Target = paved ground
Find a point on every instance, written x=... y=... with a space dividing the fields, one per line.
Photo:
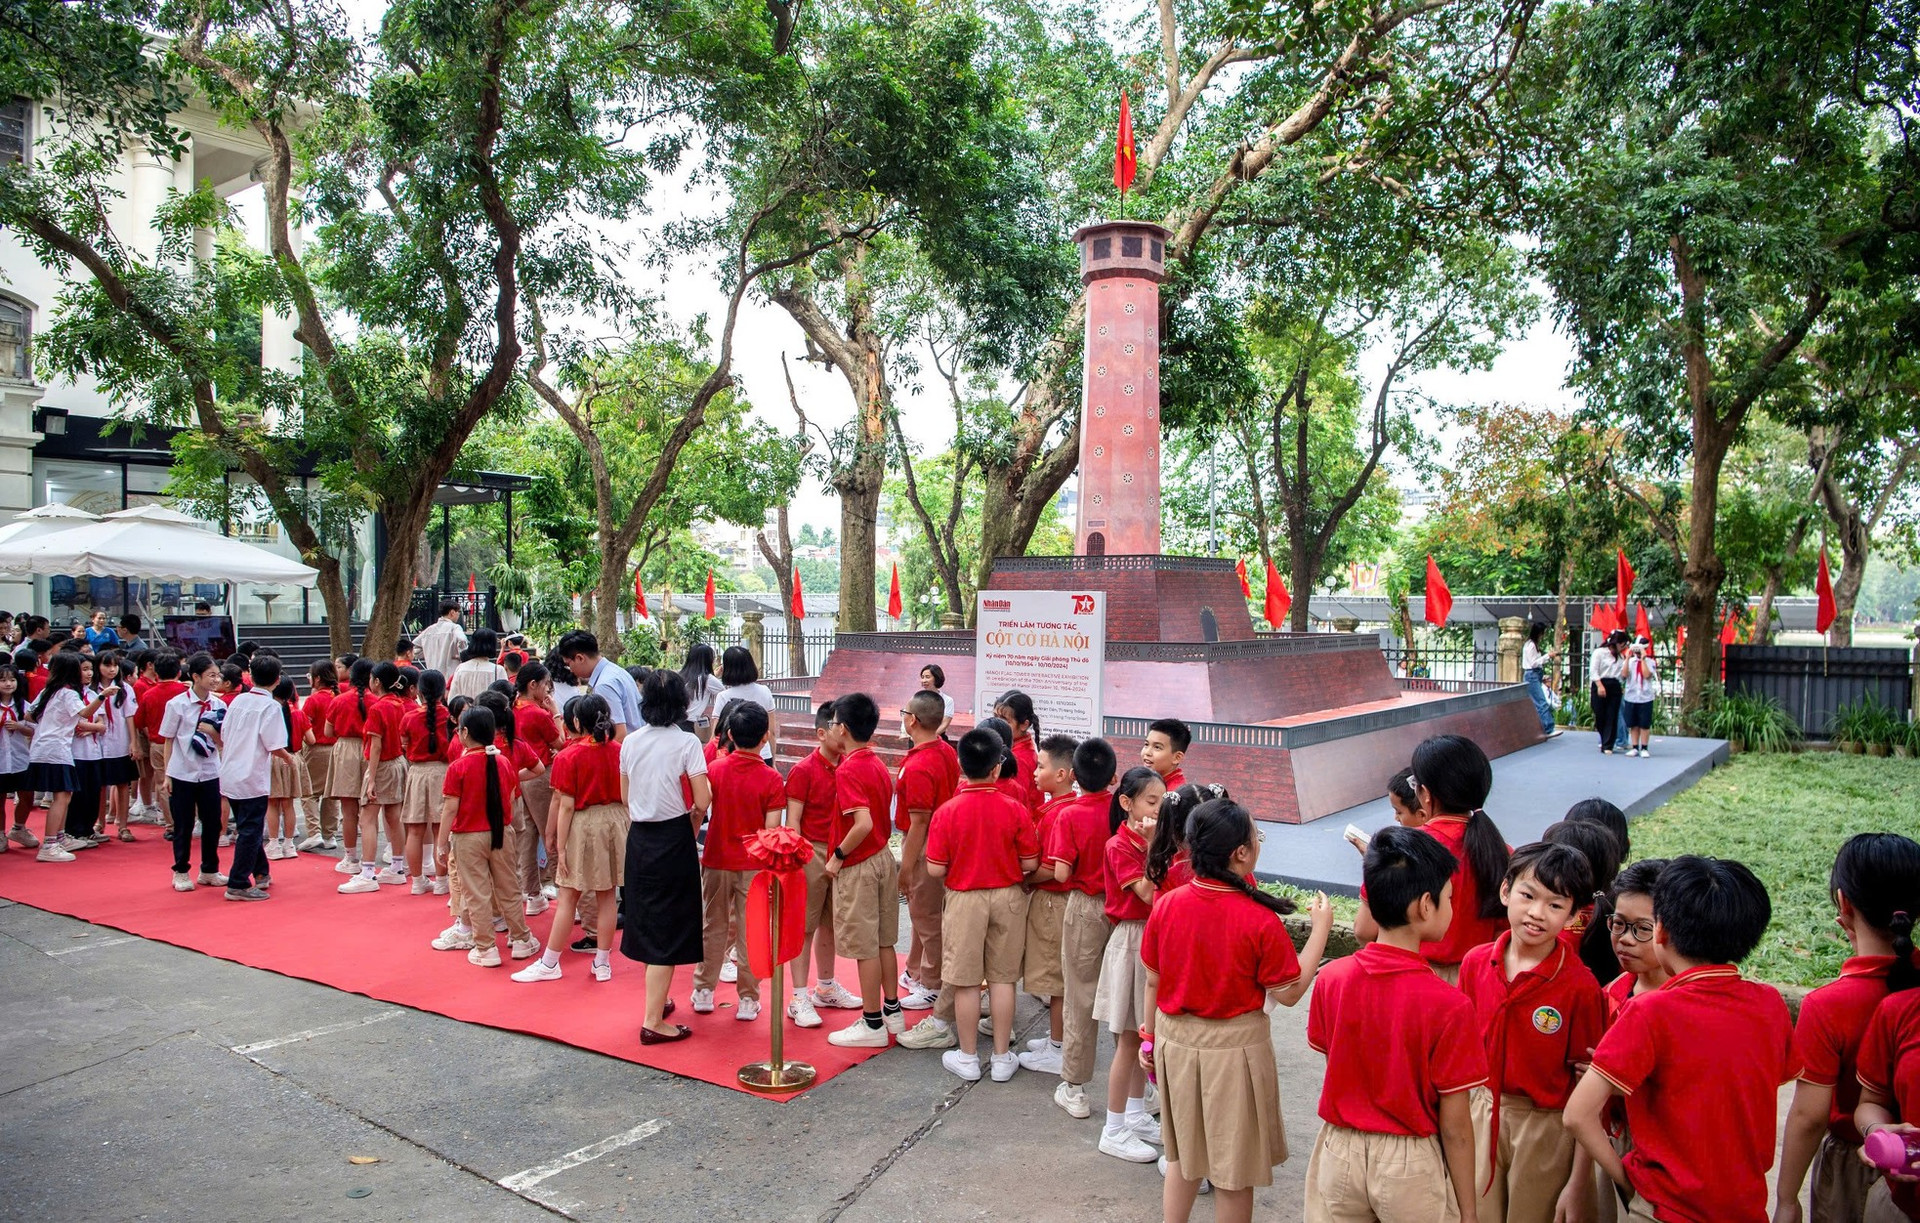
x=142 y=1081
x=1531 y=789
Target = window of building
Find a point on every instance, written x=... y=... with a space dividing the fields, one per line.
x=15 y=130
x=16 y=328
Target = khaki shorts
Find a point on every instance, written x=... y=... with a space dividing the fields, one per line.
x=156 y=751
x=866 y=907
x=1523 y=1179
x=423 y=798
x=819 y=888
x=983 y=936
x=319 y=758
x=389 y=781
x=1040 y=969
x=1394 y=1178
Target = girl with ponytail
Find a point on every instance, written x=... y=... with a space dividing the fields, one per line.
x=427 y=737
x=587 y=834
x=1875 y=884
x=1168 y=866
x=1016 y=709
x=475 y=808
x=1009 y=782
x=287 y=779
x=1452 y=778
x=383 y=783
x=1120 y=1000
x=347 y=770
x=534 y=725
x=1215 y=954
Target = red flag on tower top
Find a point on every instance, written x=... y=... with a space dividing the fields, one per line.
x=1124 y=161
x=640 y=595
x=709 y=608
x=893 y=594
x=1246 y=587
x=799 y=597
x=1279 y=602
x=1623 y=575
x=1439 y=598
x=1823 y=587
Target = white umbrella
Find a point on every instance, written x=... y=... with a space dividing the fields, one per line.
x=44 y=520
x=152 y=542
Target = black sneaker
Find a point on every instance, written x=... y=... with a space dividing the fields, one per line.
x=585 y=943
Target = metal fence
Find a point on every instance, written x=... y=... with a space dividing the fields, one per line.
x=774 y=660
x=1812 y=682
x=1441 y=662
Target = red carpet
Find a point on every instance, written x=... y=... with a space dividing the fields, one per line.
x=377 y=945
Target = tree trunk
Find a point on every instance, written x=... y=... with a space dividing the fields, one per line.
x=1305 y=565
x=606 y=599
x=393 y=593
x=333 y=597
x=1855 y=543
x=782 y=563
x=1700 y=604
x=1567 y=563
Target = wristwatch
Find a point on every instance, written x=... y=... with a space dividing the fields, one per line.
x=839 y=854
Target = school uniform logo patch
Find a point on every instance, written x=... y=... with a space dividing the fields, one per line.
x=1546 y=1021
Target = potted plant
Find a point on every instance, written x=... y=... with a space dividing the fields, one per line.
x=1851 y=725
x=1907 y=744
x=512 y=591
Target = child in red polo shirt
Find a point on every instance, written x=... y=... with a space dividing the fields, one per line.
x=1889 y=1072
x=1168 y=863
x=1876 y=884
x=982 y=845
x=587 y=827
x=1629 y=925
x=748 y=795
x=384 y=783
x=1016 y=709
x=1402 y=1053
x=1040 y=971
x=924 y=784
x=1164 y=748
x=1120 y=1002
x=1217 y=955
x=866 y=909
x=1076 y=852
x=1452 y=776
x=1540 y=1012
x=1700 y=1060
x=427 y=735
x=479 y=791
x=810 y=809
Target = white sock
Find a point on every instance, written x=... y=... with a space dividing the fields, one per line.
x=824 y=983
x=1136 y=1107
x=1116 y=1122
x=460 y=924
x=799 y=993
x=1054 y=1045
x=368 y=869
x=551 y=958
x=602 y=959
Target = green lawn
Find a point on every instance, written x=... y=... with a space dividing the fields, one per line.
x=1785 y=816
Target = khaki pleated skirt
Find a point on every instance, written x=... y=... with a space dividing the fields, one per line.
x=288 y=779
x=1220 y=1098
x=347 y=777
x=425 y=778
x=319 y=760
x=1120 y=1003
x=596 y=849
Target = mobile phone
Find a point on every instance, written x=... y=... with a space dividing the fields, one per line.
x=1360 y=840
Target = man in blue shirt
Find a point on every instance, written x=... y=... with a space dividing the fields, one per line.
x=580 y=650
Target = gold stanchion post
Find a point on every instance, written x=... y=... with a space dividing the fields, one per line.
x=776 y=1075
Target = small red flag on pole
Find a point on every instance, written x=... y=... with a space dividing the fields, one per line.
x=640 y=596
x=1823 y=615
x=1642 y=627
x=1439 y=598
x=893 y=594
x=709 y=608
x=799 y=596
x=1623 y=575
x=1246 y=587
x=473 y=586
x=1124 y=161
x=1279 y=602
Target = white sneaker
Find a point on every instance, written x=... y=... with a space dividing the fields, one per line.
x=836 y=997
x=270 y=849
x=358 y=885
x=182 y=882
x=453 y=938
x=226 y=840
x=441 y=885
x=1073 y=1098
x=330 y=843
x=316 y=841
x=1042 y=1060
x=484 y=957
x=895 y=1023
x=391 y=875
x=1003 y=1066
x=1150 y=1099
x=1127 y=1145
x=52 y=850
x=210 y=879
x=907 y=982
x=729 y=970
x=748 y=1010
x=539 y=970
x=602 y=972
x=986 y=1025
x=918 y=1000
x=1206 y=1186
x=929 y=1033
x=965 y=1065
x=550 y=891
x=421 y=885
x=1147 y=1128
x=1038 y=1043
x=288 y=849
x=703 y=1002
x=857 y=1035
x=499 y=925
x=800 y=1010
x=347 y=866
x=536 y=906
x=524 y=949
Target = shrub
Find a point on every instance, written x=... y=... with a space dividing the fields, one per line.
x=1760 y=722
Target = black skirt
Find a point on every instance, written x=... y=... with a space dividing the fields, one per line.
x=52 y=778
x=117 y=771
x=660 y=897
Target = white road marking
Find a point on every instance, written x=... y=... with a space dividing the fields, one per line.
x=296 y=1037
x=105 y=942
x=521 y=1182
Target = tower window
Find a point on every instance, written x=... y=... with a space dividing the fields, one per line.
x=1103 y=248
x=1130 y=246
x=14 y=117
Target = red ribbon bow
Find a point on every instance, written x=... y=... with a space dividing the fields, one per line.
x=774 y=935
x=780 y=850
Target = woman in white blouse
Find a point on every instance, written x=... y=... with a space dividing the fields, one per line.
x=1605 y=670
x=479 y=666
x=660 y=886
x=740 y=681
x=702 y=687
x=1535 y=657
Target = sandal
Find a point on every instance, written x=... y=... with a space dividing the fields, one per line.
x=126 y=834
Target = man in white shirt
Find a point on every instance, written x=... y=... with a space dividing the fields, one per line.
x=441 y=643
x=252 y=736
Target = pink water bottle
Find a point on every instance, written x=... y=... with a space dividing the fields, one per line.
x=1892 y=1151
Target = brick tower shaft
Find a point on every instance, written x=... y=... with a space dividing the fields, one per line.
x=1121 y=264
